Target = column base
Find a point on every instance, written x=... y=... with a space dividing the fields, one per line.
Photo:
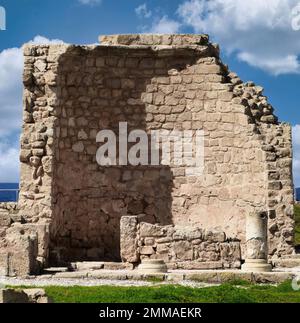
x=256 y=265
x=152 y=266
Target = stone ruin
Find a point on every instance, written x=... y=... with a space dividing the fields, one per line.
x=71 y=209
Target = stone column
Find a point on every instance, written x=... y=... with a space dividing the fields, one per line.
x=256 y=243
x=129 y=239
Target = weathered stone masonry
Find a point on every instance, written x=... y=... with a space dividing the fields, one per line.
x=181 y=247
x=70 y=208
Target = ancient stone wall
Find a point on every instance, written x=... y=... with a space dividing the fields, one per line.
x=23 y=246
x=151 y=82
x=280 y=198
x=181 y=247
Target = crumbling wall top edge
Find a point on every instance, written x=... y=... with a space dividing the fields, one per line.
x=30 y=49
x=155 y=39
x=165 y=50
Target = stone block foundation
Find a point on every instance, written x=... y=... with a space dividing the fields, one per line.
x=181 y=247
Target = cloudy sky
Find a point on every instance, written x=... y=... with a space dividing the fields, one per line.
x=259 y=41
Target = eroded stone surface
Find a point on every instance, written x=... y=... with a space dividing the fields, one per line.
x=181 y=247
x=152 y=82
x=30 y=295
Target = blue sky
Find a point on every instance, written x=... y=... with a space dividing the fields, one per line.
x=256 y=38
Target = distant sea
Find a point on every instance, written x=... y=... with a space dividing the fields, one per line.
x=11 y=196
x=8 y=196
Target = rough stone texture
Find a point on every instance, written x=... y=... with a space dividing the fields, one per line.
x=152 y=82
x=152 y=266
x=19 y=252
x=129 y=241
x=181 y=247
x=37 y=295
x=194 y=278
x=152 y=40
x=12 y=296
x=31 y=295
x=8 y=215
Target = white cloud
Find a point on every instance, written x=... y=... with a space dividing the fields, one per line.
x=9 y=163
x=142 y=11
x=11 y=67
x=296 y=142
x=90 y=2
x=164 y=25
x=41 y=40
x=273 y=65
x=260 y=32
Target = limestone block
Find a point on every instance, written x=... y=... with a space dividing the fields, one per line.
x=5 y=219
x=128 y=238
x=197 y=265
x=146 y=250
x=148 y=39
x=23 y=263
x=187 y=233
x=11 y=296
x=163 y=248
x=41 y=233
x=215 y=236
x=25 y=154
x=37 y=295
x=152 y=230
x=117 y=266
x=41 y=65
x=230 y=252
x=151 y=266
x=22 y=251
x=183 y=250
x=149 y=241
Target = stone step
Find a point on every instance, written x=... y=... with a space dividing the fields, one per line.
x=97 y=265
x=286 y=270
x=294 y=256
x=287 y=262
x=197 y=276
x=86 y=265
x=54 y=270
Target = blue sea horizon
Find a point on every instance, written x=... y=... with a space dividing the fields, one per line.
x=12 y=196
x=9 y=196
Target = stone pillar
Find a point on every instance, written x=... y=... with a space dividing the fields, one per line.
x=256 y=243
x=129 y=239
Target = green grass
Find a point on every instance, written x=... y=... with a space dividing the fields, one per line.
x=154 y=279
x=226 y=293
x=297 y=226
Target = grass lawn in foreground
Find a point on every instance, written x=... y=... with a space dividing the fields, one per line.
x=226 y=293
